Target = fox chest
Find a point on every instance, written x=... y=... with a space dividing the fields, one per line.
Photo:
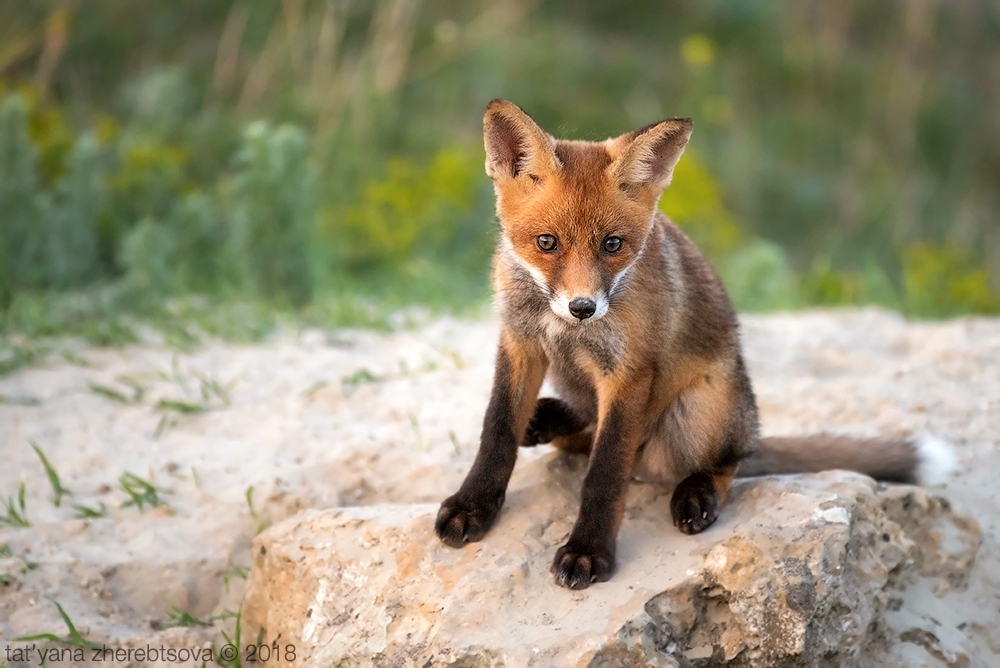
x=584 y=352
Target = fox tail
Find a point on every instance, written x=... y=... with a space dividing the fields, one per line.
x=923 y=461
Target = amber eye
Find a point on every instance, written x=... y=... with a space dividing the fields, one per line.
x=613 y=244
x=546 y=242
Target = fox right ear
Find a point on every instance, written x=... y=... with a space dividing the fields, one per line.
x=646 y=158
x=515 y=144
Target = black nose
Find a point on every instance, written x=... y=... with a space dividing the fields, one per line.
x=582 y=308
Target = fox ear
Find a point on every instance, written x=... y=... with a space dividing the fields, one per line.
x=646 y=157
x=515 y=144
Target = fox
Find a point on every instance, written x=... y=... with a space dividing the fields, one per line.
x=598 y=291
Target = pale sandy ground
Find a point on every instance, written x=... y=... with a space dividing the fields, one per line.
x=316 y=419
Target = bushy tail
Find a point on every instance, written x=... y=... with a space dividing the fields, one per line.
x=924 y=461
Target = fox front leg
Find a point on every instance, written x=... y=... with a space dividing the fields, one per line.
x=468 y=514
x=589 y=554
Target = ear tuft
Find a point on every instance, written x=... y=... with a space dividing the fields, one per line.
x=647 y=157
x=515 y=144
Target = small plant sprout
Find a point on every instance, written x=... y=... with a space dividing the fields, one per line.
x=261 y=524
x=415 y=424
x=235 y=640
x=5 y=551
x=138 y=390
x=314 y=388
x=14 y=356
x=181 y=406
x=74 y=358
x=141 y=492
x=58 y=491
x=74 y=638
x=15 y=514
x=180 y=617
x=211 y=387
x=19 y=401
x=109 y=393
x=166 y=421
x=235 y=572
x=87 y=513
x=212 y=395
x=359 y=377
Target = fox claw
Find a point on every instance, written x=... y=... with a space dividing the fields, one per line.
x=461 y=521
x=695 y=504
x=578 y=569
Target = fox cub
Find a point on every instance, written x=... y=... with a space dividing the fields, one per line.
x=601 y=292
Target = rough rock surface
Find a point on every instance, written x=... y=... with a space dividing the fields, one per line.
x=795 y=573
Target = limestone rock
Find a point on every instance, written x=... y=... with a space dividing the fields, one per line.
x=797 y=572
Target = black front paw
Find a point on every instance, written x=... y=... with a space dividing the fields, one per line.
x=464 y=520
x=695 y=504
x=578 y=567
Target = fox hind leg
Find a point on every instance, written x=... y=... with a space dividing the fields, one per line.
x=697 y=500
x=555 y=421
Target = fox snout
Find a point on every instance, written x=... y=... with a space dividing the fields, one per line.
x=583 y=309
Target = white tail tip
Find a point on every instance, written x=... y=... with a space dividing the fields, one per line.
x=937 y=460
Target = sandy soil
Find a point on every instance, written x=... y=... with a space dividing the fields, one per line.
x=355 y=418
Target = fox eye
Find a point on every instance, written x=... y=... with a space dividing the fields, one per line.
x=613 y=244
x=546 y=242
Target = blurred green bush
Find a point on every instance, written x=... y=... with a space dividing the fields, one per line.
x=832 y=163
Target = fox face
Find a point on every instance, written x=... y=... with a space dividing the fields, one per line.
x=576 y=215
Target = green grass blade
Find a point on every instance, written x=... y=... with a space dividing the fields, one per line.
x=110 y=393
x=57 y=489
x=86 y=512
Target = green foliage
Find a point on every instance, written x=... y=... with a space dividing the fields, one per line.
x=274 y=210
x=946 y=278
x=73 y=218
x=758 y=277
x=828 y=166
x=694 y=202
x=47 y=238
x=22 y=238
x=416 y=210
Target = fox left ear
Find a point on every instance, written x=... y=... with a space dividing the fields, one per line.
x=515 y=145
x=646 y=157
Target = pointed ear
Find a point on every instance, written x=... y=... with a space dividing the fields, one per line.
x=646 y=157
x=515 y=144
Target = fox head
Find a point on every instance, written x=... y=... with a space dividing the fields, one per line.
x=576 y=215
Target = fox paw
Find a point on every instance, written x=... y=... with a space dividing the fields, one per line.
x=552 y=418
x=695 y=504
x=575 y=568
x=463 y=520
